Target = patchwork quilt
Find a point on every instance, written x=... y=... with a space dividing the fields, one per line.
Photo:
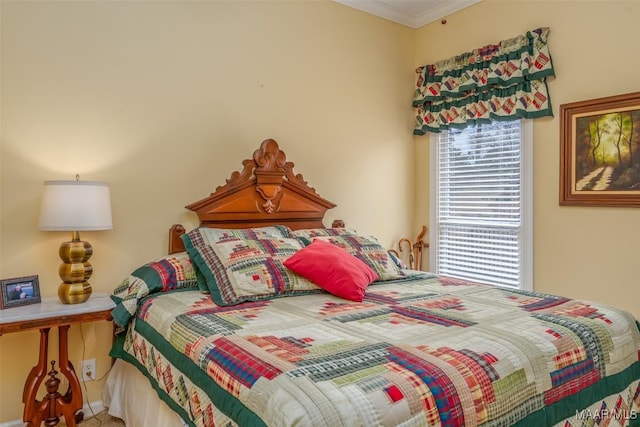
x=423 y=351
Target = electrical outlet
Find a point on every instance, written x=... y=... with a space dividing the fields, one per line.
x=89 y=370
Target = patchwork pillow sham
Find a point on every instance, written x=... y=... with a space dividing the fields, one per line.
x=248 y=269
x=208 y=236
x=309 y=233
x=400 y=263
x=369 y=250
x=333 y=269
x=167 y=273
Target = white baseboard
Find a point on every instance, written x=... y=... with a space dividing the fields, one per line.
x=87 y=408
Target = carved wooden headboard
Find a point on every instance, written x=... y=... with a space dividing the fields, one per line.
x=266 y=192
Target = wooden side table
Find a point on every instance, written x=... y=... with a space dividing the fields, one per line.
x=44 y=316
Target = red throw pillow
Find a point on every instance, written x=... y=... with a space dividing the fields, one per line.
x=333 y=269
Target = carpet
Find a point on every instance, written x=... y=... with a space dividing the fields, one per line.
x=101 y=419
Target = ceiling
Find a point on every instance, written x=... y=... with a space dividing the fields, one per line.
x=412 y=13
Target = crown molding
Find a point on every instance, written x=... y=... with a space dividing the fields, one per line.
x=388 y=10
x=441 y=10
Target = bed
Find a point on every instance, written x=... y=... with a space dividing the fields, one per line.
x=261 y=317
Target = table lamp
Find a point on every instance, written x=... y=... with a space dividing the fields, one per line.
x=75 y=206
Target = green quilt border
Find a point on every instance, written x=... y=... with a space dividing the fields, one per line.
x=562 y=409
x=222 y=399
x=565 y=408
x=117 y=351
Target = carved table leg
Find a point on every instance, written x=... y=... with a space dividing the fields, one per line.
x=32 y=407
x=54 y=404
x=71 y=402
x=49 y=401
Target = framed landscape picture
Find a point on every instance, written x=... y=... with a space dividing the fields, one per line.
x=600 y=152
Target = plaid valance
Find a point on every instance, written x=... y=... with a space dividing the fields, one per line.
x=505 y=81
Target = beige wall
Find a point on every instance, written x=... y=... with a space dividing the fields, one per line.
x=583 y=252
x=164 y=100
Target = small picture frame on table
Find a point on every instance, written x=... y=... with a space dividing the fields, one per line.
x=19 y=291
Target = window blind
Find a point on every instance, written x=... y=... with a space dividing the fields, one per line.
x=479 y=203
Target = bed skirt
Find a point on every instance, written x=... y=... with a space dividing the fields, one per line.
x=146 y=409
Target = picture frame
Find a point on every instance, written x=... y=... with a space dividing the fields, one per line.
x=600 y=152
x=19 y=291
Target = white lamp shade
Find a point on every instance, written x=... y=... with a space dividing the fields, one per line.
x=75 y=206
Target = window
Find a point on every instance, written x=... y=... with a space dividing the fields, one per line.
x=481 y=203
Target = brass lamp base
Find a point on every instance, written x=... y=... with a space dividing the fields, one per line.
x=75 y=270
x=74 y=293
